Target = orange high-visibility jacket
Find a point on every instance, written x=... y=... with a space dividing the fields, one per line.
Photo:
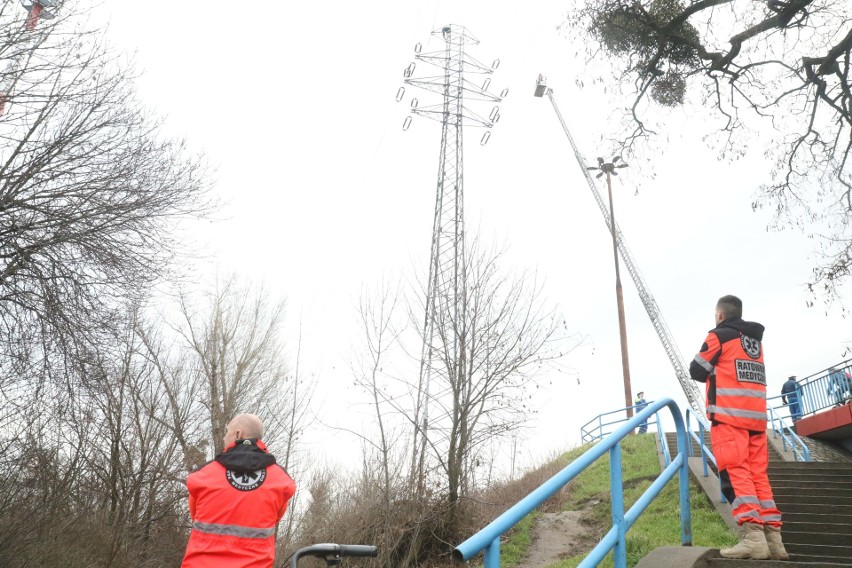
x=732 y=359
x=235 y=502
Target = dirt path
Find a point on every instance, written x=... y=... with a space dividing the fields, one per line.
x=556 y=536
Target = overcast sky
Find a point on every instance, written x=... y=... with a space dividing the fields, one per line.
x=293 y=103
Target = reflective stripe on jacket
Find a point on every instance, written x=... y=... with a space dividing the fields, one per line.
x=731 y=364
x=235 y=511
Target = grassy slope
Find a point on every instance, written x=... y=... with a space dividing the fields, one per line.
x=658 y=526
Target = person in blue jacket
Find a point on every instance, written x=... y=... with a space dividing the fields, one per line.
x=640 y=404
x=838 y=385
x=791 y=394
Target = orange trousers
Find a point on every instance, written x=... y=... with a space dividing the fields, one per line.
x=742 y=459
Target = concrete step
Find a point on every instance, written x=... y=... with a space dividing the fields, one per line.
x=703 y=557
x=841 y=551
x=817 y=501
x=671 y=440
x=826 y=483
x=817 y=561
x=833 y=476
x=818 y=485
x=807 y=490
x=814 y=508
x=673 y=435
x=794 y=562
x=817 y=526
x=817 y=518
x=810 y=467
x=696 y=450
x=814 y=537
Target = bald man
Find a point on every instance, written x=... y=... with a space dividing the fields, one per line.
x=236 y=501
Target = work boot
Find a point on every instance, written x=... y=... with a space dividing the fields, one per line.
x=753 y=545
x=773 y=539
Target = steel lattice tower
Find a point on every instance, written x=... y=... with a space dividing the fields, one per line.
x=444 y=328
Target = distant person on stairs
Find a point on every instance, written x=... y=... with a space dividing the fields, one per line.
x=640 y=403
x=790 y=395
x=838 y=386
x=730 y=363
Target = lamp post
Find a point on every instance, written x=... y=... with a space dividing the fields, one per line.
x=609 y=168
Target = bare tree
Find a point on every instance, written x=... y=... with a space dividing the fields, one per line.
x=781 y=63
x=236 y=341
x=97 y=427
x=297 y=394
x=183 y=390
x=133 y=466
x=477 y=394
x=380 y=337
x=96 y=465
x=510 y=336
x=90 y=192
x=385 y=453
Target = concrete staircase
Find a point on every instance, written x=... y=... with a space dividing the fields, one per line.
x=816 y=501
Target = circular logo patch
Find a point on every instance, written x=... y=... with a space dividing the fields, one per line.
x=751 y=346
x=246 y=480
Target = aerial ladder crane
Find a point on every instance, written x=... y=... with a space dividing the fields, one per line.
x=690 y=389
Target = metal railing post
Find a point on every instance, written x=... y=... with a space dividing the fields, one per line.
x=703 y=434
x=492 y=554
x=789 y=438
x=685 y=509
x=617 y=495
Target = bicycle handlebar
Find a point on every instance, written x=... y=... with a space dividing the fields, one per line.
x=334 y=550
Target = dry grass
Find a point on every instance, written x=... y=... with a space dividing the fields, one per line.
x=412 y=533
x=407 y=532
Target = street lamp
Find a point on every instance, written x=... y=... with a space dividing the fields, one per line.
x=609 y=168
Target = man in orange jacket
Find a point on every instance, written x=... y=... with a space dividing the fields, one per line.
x=236 y=501
x=731 y=364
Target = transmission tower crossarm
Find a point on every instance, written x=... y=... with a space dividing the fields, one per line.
x=690 y=389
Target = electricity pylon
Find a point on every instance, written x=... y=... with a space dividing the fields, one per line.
x=444 y=326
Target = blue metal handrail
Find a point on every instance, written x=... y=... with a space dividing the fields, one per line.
x=706 y=453
x=703 y=427
x=588 y=434
x=788 y=437
x=488 y=539
x=663 y=443
x=818 y=391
